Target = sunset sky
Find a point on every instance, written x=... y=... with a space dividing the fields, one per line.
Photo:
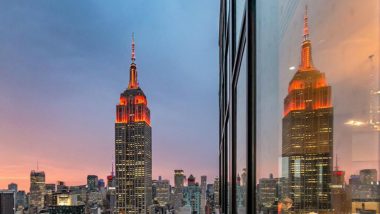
x=63 y=66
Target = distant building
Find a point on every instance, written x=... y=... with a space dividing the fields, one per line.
x=354 y=180
x=368 y=176
x=111 y=192
x=50 y=187
x=364 y=191
x=7 y=201
x=340 y=197
x=203 y=193
x=267 y=194
x=216 y=193
x=12 y=186
x=179 y=178
x=21 y=202
x=49 y=191
x=37 y=191
x=192 y=195
x=162 y=195
x=179 y=183
x=66 y=209
x=92 y=182
x=210 y=203
x=61 y=187
x=203 y=182
x=62 y=199
x=101 y=184
x=77 y=189
x=111 y=180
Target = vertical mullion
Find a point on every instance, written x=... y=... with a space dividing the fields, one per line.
x=251 y=85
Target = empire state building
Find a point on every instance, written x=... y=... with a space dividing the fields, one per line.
x=307 y=135
x=133 y=148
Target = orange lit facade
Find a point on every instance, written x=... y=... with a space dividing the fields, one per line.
x=133 y=148
x=307 y=135
x=132 y=107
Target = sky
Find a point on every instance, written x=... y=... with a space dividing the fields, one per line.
x=63 y=65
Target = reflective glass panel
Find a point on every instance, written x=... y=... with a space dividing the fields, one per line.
x=318 y=109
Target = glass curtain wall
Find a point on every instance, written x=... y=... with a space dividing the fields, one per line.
x=299 y=106
x=234 y=100
x=318 y=111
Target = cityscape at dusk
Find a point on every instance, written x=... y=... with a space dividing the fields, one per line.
x=63 y=66
x=190 y=107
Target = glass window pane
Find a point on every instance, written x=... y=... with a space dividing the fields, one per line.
x=318 y=110
x=240 y=6
x=241 y=138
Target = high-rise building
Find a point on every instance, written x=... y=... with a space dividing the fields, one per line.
x=192 y=195
x=37 y=191
x=179 y=178
x=204 y=183
x=179 y=183
x=217 y=193
x=339 y=192
x=12 y=186
x=111 y=179
x=49 y=191
x=203 y=192
x=101 y=184
x=307 y=134
x=364 y=192
x=162 y=191
x=7 y=201
x=92 y=182
x=368 y=176
x=61 y=186
x=267 y=194
x=21 y=200
x=133 y=147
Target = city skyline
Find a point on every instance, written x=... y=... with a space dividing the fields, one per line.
x=190 y=107
x=69 y=80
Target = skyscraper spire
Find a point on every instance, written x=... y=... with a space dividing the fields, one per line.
x=133 y=58
x=305 y=26
x=132 y=71
x=306 y=59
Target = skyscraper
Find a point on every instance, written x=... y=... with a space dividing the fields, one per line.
x=203 y=192
x=179 y=178
x=217 y=193
x=133 y=147
x=92 y=182
x=307 y=134
x=12 y=186
x=7 y=201
x=179 y=182
x=37 y=191
x=163 y=191
x=192 y=195
x=368 y=176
